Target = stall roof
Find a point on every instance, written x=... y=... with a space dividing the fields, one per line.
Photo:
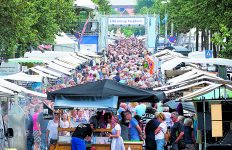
x=47 y=55
x=26 y=60
x=104 y=88
x=43 y=74
x=88 y=4
x=53 y=73
x=186 y=105
x=200 y=92
x=169 y=65
x=62 y=39
x=59 y=68
x=18 y=89
x=24 y=77
x=192 y=75
x=61 y=63
x=6 y=91
x=187 y=86
x=71 y=60
x=86 y=102
x=168 y=52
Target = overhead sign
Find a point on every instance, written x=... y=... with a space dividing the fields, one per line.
x=126 y=21
x=172 y=39
x=9 y=68
x=208 y=54
x=90 y=43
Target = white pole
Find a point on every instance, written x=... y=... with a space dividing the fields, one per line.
x=166 y=28
x=172 y=26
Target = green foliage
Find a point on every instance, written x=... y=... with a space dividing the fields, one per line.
x=128 y=31
x=32 y=22
x=144 y=10
x=206 y=15
x=104 y=6
x=143 y=6
x=223 y=38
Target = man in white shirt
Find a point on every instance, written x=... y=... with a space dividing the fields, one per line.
x=52 y=131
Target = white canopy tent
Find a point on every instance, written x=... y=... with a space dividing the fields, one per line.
x=169 y=65
x=80 y=58
x=62 y=38
x=61 y=63
x=84 y=56
x=71 y=60
x=48 y=71
x=187 y=87
x=59 y=68
x=24 y=77
x=47 y=55
x=6 y=91
x=43 y=74
x=64 y=43
x=200 y=92
x=16 y=88
x=88 y=4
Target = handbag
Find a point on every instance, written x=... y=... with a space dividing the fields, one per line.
x=167 y=136
x=53 y=141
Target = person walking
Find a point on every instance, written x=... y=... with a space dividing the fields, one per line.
x=135 y=132
x=29 y=129
x=160 y=132
x=151 y=126
x=177 y=133
x=42 y=125
x=189 y=134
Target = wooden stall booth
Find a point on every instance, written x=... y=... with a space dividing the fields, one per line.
x=103 y=94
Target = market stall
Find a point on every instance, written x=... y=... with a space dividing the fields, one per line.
x=104 y=94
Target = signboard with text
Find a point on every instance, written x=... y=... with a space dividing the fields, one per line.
x=126 y=21
x=9 y=68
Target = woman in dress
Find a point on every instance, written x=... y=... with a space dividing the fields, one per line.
x=160 y=131
x=36 y=130
x=117 y=141
x=64 y=123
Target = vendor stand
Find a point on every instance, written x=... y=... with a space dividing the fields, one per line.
x=104 y=94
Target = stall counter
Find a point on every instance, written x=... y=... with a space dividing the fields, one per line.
x=134 y=145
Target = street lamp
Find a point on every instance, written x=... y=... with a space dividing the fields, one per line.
x=166 y=25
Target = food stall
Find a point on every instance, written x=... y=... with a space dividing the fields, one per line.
x=104 y=94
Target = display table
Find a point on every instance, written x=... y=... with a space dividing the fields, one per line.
x=64 y=143
x=138 y=145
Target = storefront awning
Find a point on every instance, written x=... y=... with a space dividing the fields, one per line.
x=24 y=77
x=86 y=102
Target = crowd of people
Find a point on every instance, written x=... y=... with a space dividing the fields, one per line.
x=126 y=63
x=131 y=122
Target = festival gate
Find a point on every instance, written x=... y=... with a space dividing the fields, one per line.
x=149 y=22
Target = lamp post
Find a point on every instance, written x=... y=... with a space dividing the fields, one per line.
x=166 y=25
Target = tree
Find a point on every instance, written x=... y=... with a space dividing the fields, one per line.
x=204 y=15
x=128 y=31
x=145 y=5
x=104 y=6
x=24 y=23
x=223 y=39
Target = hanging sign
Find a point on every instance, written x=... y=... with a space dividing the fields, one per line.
x=126 y=21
